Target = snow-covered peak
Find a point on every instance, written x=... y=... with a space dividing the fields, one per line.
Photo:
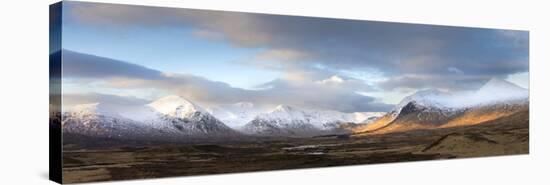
x=144 y=120
x=501 y=90
x=284 y=112
x=93 y=109
x=497 y=83
x=494 y=91
x=498 y=91
x=317 y=118
x=425 y=98
x=235 y=115
x=176 y=106
x=131 y=112
x=284 y=108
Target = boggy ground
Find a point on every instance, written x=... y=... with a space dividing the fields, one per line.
x=505 y=136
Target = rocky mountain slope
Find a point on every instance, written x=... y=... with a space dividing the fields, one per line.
x=431 y=109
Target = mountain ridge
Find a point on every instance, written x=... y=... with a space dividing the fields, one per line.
x=435 y=109
x=286 y=120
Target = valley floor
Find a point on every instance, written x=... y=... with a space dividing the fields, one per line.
x=499 y=137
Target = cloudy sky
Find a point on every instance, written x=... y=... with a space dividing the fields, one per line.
x=135 y=54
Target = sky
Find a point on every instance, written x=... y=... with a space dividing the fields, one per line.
x=136 y=54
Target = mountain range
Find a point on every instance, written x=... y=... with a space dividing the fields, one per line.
x=176 y=118
x=285 y=120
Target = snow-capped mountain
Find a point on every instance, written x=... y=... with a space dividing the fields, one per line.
x=426 y=98
x=171 y=117
x=433 y=108
x=188 y=117
x=291 y=121
x=174 y=117
x=101 y=120
x=235 y=115
x=176 y=106
x=494 y=91
x=282 y=121
x=497 y=91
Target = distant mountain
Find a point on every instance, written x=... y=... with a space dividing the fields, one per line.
x=169 y=118
x=499 y=91
x=174 y=117
x=189 y=118
x=235 y=115
x=436 y=109
x=100 y=120
x=285 y=120
x=282 y=121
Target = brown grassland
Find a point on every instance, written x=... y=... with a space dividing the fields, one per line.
x=503 y=136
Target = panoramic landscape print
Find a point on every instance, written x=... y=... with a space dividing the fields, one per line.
x=148 y=92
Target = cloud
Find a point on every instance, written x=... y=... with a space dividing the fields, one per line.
x=308 y=94
x=334 y=93
x=519 y=38
x=89 y=66
x=310 y=49
x=332 y=80
x=70 y=100
x=394 y=48
x=286 y=55
x=455 y=70
x=451 y=82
